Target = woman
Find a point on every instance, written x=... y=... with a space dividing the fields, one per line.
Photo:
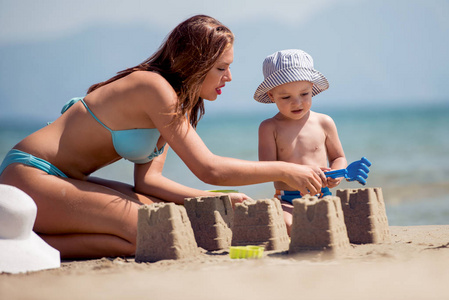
x=135 y=115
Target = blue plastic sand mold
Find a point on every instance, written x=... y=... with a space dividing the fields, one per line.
x=357 y=170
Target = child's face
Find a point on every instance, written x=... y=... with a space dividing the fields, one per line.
x=293 y=99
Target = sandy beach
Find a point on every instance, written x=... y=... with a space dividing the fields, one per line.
x=415 y=265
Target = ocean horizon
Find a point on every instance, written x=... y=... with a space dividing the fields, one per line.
x=408 y=148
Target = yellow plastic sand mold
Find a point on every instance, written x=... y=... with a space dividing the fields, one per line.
x=223 y=191
x=239 y=252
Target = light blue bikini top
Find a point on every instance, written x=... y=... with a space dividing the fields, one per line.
x=136 y=145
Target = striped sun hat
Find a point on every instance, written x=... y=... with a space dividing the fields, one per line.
x=288 y=66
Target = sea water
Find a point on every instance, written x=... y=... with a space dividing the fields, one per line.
x=408 y=148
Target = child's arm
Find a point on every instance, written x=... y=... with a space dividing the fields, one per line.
x=335 y=153
x=267 y=143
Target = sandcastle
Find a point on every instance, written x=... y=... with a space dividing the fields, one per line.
x=365 y=215
x=169 y=231
x=164 y=232
x=260 y=223
x=318 y=224
x=211 y=219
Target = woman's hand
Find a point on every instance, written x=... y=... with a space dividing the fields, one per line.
x=236 y=198
x=329 y=181
x=306 y=179
x=333 y=182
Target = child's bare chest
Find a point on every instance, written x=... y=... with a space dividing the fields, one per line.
x=301 y=145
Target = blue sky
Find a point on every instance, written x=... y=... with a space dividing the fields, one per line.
x=29 y=19
x=373 y=53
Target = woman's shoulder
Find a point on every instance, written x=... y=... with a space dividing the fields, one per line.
x=148 y=78
x=147 y=82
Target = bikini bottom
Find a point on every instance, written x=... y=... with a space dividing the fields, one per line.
x=17 y=156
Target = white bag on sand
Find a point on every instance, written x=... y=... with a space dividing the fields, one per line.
x=22 y=250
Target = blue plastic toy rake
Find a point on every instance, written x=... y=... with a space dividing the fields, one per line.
x=357 y=170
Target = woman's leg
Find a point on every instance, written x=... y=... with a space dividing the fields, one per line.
x=79 y=218
x=89 y=245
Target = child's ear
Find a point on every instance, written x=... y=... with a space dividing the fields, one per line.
x=270 y=95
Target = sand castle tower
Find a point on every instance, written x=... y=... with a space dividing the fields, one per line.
x=211 y=219
x=318 y=224
x=260 y=223
x=365 y=215
x=164 y=232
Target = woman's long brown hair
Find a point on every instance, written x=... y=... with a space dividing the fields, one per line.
x=185 y=57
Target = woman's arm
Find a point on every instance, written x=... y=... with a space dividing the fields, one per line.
x=225 y=171
x=148 y=179
x=216 y=170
